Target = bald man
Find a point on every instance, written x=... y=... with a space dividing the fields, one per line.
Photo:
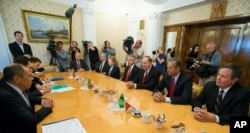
x=138 y=53
x=211 y=59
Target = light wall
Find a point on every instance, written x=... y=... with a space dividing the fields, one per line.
x=202 y=12
x=114 y=29
x=11 y=11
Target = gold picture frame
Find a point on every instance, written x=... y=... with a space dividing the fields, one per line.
x=142 y=23
x=42 y=27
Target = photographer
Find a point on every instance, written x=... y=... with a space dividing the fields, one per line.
x=108 y=50
x=73 y=49
x=62 y=56
x=209 y=65
x=160 y=59
x=138 y=52
x=93 y=55
x=192 y=60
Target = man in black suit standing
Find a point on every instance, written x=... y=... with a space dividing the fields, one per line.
x=224 y=98
x=131 y=70
x=103 y=66
x=17 y=114
x=178 y=84
x=79 y=65
x=18 y=47
x=147 y=77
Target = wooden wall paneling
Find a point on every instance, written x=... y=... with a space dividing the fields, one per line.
x=227 y=43
x=244 y=56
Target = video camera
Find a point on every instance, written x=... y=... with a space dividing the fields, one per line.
x=155 y=51
x=52 y=47
x=85 y=44
x=197 y=61
x=128 y=43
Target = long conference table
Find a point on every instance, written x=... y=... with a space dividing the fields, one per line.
x=91 y=109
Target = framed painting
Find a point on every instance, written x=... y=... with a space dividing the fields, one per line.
x=42 y=27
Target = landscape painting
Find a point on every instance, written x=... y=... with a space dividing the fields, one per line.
x=43 y=27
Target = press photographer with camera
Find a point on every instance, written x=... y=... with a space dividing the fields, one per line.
x=209 y=65
x=108 y=50
x=192 y=60
x=138 y=52
x=62 y=56
x=73 y=49
x=160 y=59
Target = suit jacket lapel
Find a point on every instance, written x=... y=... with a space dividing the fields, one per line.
x=227 y=98
x=19 y=49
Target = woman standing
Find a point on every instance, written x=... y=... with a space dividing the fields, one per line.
x=191 y=57
x=160 y=59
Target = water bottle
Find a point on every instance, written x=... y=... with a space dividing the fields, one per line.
x=121 y=101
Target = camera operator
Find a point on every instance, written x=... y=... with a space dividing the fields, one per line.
x=108 y=50
x=93 y=55
x=192 y=60
x=62 y=56
x=160 y=59
x=211 y=59
x=73 y=49
x=138 y=52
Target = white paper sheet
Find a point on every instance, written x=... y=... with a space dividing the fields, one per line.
x=71 y=125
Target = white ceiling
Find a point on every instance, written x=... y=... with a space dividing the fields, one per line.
x=134 y=7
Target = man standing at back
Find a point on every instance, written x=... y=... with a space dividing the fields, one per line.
x=17 y=113
x=212 y=59
x=18 y=47
x=138 y=53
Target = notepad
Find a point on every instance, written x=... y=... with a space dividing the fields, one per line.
x=71 y=125
x=61 y=88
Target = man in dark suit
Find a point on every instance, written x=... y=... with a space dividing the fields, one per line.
x=17 y=114
x=18 y=47
x=103 y=66
x=224 y=98
x=131 y=70
x=147 y=77
x=78 y=64
x=178 y=84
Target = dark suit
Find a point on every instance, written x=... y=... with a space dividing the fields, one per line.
x=73 y=64
x=133 y=73
x=234 y=103
x=115 y=72
x=105 y=67
x=15 y=115
x=182 y=90
x=93 y=58
x=17 y=51
x=151 y=81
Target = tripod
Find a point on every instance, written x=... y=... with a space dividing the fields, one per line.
x=53 y=61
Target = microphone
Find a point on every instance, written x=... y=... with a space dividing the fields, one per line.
x=70 y=11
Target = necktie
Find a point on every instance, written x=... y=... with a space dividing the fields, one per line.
x=128 y=74
x=78 y=65
x=144 y=77
x=218 y=102
x=100 y=68
x=171 y=89
x=26 y=98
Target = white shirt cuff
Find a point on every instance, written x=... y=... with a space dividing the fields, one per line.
x=135 y=85
x=217 y=119
x=41 y=91
x=168 y=100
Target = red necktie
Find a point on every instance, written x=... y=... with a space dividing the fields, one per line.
x=218 y=102
x=171 y=89
x=144 y=77
x=128 y=74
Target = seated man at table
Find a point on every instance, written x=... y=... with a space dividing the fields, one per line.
x=103 y=65
x=147 y=77
x=178 y=84
x=79 y=65
x=36 y=88
x=131 y=70
x=224 y=98
x=17 y=113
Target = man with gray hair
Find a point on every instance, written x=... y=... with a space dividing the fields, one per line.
x=17 y=113
x=178 y=84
